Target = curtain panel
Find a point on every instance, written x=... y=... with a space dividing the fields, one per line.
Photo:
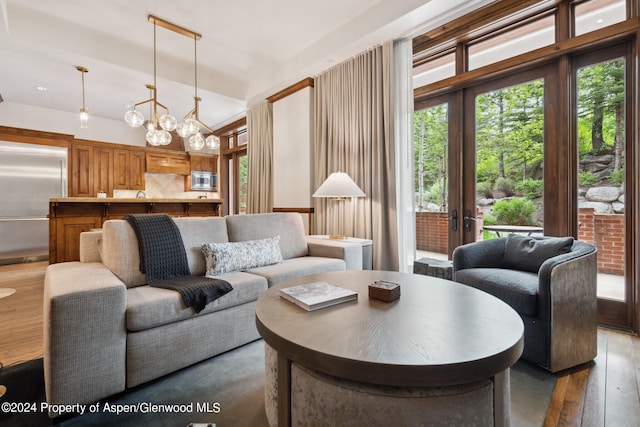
x=354 y=133
x=260 y=158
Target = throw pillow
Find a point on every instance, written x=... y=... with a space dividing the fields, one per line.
x=528 y=253
x=236 y=256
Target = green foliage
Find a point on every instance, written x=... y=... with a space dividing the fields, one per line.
x=430 y=143
x=531 y=188
x=617 y=177
x=514 y=211
x=506 y=186
x=586 y=179
x=484 y=189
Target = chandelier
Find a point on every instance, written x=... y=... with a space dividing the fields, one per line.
x=190 y=127
x=160 y=126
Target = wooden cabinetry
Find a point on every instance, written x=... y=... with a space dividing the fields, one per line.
x=168 y=163
x=68 y=217
x=98 y=167
x=91 y=170
x=206 y=163
x=137 y=169
x=128 y=169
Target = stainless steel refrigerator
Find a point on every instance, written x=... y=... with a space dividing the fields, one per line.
x=30 y=174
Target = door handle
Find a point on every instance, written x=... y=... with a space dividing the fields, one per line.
x=467 y=220
x=454 y=220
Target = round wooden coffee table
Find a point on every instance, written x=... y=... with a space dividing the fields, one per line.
x=441 y=351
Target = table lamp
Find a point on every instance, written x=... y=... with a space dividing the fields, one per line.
x=338 y=186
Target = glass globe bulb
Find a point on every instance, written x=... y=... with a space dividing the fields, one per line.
x=192 y=126
x=196 y=141
x=212 y=142
x=168 y=122
x=153 y=137
x=183 y=130
x=165 y=137
x=134 y=118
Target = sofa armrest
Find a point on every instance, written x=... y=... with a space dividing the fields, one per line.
x=84 y=333
x=481 y=254
x=568 y=292
x=90 y=242
x=350 y=253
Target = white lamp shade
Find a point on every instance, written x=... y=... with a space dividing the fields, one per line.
x=339 y=184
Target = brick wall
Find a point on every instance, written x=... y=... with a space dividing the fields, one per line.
x=605 y=232
x=432 y=230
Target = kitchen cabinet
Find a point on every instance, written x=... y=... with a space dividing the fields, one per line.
x=160 y=162
x=89 y=176
x=70 y=216
x=204 y=163
x=102 y=170
x=128 y=169
x=137 y=169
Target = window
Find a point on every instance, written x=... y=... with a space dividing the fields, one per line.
x=595 y=14
x=521 y=39
x=233 y=151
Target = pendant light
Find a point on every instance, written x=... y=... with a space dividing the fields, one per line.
x=84 y=113
x=190 y=128
x=158 y=127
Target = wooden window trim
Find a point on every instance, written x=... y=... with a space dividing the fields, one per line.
x=611 y=34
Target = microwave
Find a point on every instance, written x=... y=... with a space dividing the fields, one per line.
x=204 y=181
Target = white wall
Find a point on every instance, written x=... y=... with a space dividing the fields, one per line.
x=292 y=145
x=47 y=120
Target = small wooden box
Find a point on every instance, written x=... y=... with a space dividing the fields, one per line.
x=384 y=291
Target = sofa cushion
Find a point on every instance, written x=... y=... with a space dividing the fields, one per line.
x=296 y=267
x=237 y=256
x=149 y=307
x=120 y=246
x=528 y=253
x=287 y=225
x=517 y=288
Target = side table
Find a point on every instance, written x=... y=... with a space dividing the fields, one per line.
x=434 y=267
x=367 y=248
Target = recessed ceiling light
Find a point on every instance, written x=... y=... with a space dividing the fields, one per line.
x=42 y=88
x=600 y=21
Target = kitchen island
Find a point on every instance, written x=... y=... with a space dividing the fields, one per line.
x=70 y=216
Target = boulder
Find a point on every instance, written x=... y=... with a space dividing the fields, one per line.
x=595 y=167
x=598 y=207
x=603 y=194
x=618 y=207
x=605 y=158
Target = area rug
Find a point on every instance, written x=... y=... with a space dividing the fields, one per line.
x=227 y=390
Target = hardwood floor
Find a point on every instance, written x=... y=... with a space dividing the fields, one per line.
x=21 y=313
x=604 y=392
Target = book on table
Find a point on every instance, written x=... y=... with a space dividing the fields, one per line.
x=315 y=295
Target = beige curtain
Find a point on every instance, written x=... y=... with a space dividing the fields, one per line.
x=260 y=158
x=354 y=133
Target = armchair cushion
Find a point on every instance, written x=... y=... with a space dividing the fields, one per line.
x=519 y=289
x=528 y=253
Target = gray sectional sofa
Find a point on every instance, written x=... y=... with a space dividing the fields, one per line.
x=106 y=330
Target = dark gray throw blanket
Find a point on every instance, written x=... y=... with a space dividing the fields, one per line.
x=164 y=261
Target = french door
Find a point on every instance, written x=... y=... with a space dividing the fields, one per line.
x=520 y=157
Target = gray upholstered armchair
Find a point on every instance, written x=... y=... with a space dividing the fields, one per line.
x=550 y=282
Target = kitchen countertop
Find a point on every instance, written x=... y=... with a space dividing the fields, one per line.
x=129 y=200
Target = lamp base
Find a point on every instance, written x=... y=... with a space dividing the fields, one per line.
x=337 y=237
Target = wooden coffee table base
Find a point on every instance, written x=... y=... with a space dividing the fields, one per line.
x=319 y=399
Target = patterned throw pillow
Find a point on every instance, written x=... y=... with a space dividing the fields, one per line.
x=237 y=256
